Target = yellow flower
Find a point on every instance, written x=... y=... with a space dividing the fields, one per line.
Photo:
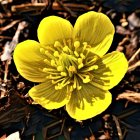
x=70 y=64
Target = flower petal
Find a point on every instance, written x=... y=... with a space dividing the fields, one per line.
x=88 y=102
x=96 y=29
x=111 y=69
x=49 y=98
x=53 y=29
x=28 y=60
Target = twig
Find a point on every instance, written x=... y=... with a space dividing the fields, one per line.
x=9 y=25
x=9 y=46
x=67 y=9
x=55 y=6
x=134 y=55
x=5 y=37
x=130 y=96
x=118 y=127
x=134 y=66
x=6 y=70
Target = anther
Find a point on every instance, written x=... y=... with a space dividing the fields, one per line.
x=85 y=43
x=56 y=54
x=82 y=56
x=79 y=87
x=57 y=44
x=57 y=87
x=45 y=70
x=87 y=79
x=80 y=65
x=60 y=68
x=71 y=88
x=49 y=55
x=49 y=70
x=94 y=67
x=63 y=73
x=76 y=44
x=42 y=50
x=80 y=60
x=47 y=61
x=66 y=49
x=53 y=63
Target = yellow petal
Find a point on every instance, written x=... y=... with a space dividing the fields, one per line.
x=96 y=29
x=53 y=29
x=88 y=102
x=49 y=98
x=111 y=69
x=28 y=60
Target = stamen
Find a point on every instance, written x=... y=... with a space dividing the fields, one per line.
x=57 y=81
x=60 y=68
x=54 y=77
x=91 y=60
x=49 y=54
x=82 y=56
x=86 y=79
x=86 y=69
x=85 y=43
x=47 y=61
x=65 y=49
x=80 y=60
x=76 y=44
x=71 y=88
x=64 y=82
x=58 y=44
x=42 y=50
x=76 y=53
x=68 y=60
x=56 y=54
x=64 y=42
x=80 y=66
x=49 y=70
x=69 y=41
x=84 y=47
x=50 y=48
x=53 y=63
x=63 y=73
x=57 y=87
x=76 y=83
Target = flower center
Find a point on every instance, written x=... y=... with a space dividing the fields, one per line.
x=69 y=63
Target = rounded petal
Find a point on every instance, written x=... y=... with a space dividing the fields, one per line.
x=88 y=102
x=96 y=29
x=111 y=69
x=49 y=98
x=53 y=29
x=28 y=60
